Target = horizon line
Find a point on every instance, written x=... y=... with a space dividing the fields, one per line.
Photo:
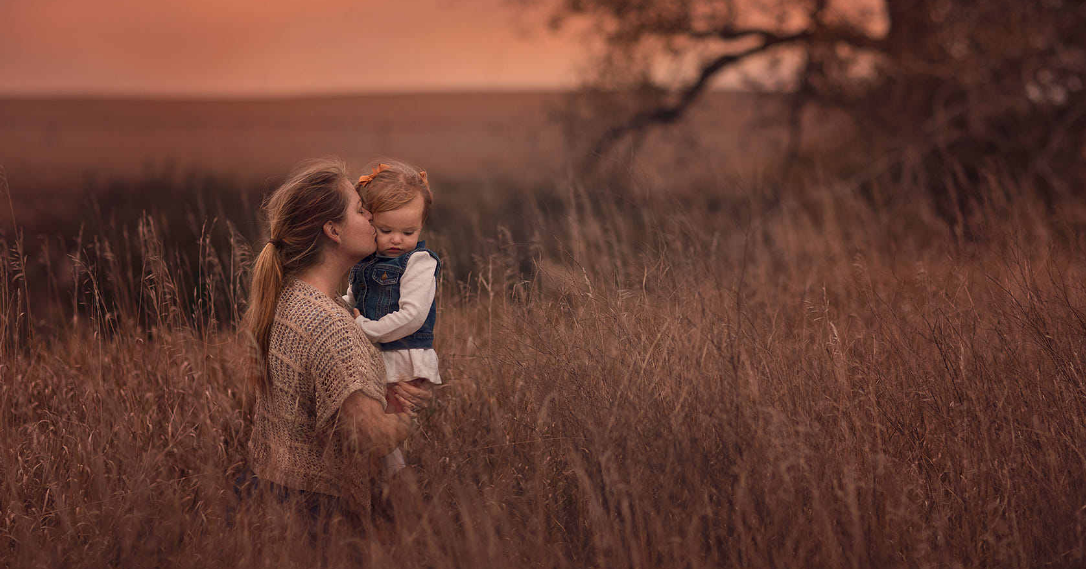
x=272 y=95
x=302 y=95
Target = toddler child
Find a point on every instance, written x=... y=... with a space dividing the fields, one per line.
x=394 y=288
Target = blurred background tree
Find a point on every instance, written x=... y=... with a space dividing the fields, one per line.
x=943 y=94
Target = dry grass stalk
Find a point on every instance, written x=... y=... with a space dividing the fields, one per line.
x=822 y=383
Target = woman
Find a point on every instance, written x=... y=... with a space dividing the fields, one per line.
x=319 y=425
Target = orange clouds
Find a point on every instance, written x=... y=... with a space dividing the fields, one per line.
x=282 y=47
x=277 y=47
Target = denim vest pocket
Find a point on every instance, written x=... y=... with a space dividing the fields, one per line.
x=386 y=275
x=388 y=278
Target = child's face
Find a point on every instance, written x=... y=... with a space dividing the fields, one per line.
x=398 y=230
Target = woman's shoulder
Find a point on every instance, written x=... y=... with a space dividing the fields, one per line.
x=309 y=309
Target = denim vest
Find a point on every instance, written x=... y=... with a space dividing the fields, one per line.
x=375 y=283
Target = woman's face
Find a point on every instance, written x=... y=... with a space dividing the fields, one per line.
x=357 y=236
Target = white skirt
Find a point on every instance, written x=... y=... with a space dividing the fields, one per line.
x=406 y=365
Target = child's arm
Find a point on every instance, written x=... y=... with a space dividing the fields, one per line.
x=417 y=289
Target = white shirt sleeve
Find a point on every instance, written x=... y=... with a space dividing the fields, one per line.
x=349 y=297
x=417 y=289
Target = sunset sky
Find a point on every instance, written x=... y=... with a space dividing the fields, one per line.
x=287 y=47
x=246 y=47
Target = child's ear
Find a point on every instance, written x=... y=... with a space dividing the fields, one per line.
x=331 y=231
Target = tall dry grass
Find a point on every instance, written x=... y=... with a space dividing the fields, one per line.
x=749 y=378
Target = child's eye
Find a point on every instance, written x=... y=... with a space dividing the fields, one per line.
x=385 y=230
x=408 y=232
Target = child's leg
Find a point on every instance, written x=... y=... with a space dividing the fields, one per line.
x=394 y=463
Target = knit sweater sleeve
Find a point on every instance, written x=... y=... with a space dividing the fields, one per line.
x=342 y=362
x=417 y=289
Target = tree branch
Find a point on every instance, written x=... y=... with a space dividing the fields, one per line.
x=726 y=33
x=671 y=113
x=667 y=114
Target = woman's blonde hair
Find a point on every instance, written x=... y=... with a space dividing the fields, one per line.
x=392 y=185
x=297 y=211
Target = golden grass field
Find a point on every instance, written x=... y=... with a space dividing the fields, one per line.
x=744 y=374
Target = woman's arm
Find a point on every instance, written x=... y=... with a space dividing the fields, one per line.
x=367 y=429
x=417 y=289
x=366 y=426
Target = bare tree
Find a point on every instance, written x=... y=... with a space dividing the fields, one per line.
x=962 y=86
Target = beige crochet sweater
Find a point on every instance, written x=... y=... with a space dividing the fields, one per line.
x=317 y=356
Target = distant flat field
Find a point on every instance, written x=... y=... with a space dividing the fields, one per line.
x=50 y=144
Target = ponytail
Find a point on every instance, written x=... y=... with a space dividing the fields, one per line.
x=297 y=212
x=263 y=298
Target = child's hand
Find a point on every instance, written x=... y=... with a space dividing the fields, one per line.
x=355 y=313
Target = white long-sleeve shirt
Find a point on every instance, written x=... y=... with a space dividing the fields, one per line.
x=417 y=290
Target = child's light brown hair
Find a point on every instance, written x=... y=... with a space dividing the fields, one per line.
x=392 y=185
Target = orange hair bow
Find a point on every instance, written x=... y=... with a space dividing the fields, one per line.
x=365 y=180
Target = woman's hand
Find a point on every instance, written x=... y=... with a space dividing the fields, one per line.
x=413 y=396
